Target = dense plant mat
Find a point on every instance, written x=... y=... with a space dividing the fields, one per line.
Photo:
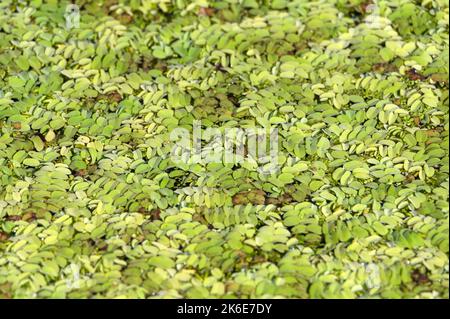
x=92 y=204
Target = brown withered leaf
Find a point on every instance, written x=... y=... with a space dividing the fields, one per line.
x=417 y=121
x=17 y=125
x=384 y=67
x=13 y=218
x=440 y=78
x=125 y=18
x=6 y=290
x=364 y=7
x=3 y=236
x=114 y=96
x=81 y=172
x=29 y=216
x=199 y=218
x=255 y=197
x=205 y=11
x=283 y=199
x=409 y=178
x=419 y=278
x=155 y=214
x=413 y=75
